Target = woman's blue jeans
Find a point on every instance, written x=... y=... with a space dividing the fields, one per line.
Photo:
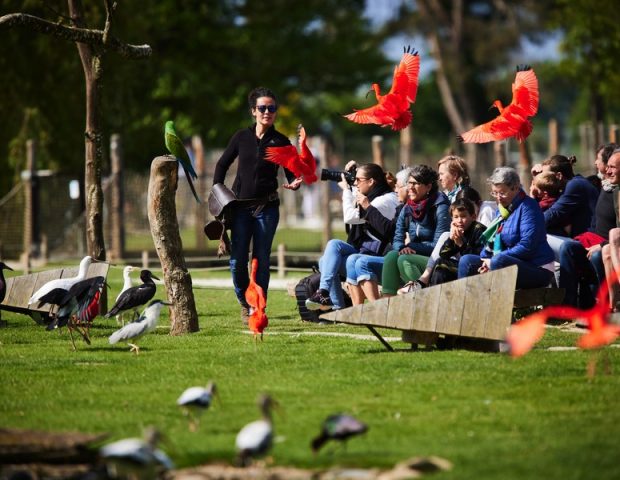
x=259 y=229
x=332 y=265
x=362 y=267
x=528 y=276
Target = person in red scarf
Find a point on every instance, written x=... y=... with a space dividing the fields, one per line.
x=424 y=218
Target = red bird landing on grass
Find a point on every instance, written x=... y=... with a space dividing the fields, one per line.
x=255 y=296
x=299 y=164
x=392 y=109
x=512 y=120
x=524 y=334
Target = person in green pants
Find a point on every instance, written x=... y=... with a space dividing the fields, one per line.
x=418 y=228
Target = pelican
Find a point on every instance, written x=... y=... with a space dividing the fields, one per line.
x=134 y=297
x=126 y=286
x=195 y=400
x=136 y=458
x=135 y=330
x=339 y=427
x=256 y=438
x=55 y=290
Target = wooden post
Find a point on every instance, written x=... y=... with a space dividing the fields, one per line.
x=200 y=209
x=117 y=220
x=554 y=138
x=525 y=164
x=405 y=146
x=145 y=259
x=585 y=135
x=326 y=217
x=281 y=260
x=377 y=150
x=499 y=153
x=31 y=207
x=614 y=133
x=163 y=184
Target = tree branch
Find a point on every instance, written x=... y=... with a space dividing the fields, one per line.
x=81 y=35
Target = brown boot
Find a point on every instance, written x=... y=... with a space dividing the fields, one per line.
x=245 y=315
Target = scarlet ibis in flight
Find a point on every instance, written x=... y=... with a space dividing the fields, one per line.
x=339 y=427
x=255 y=296
x=513 y=120
x=300 y=164
x=55 y=290
x=256 y=438
x=393 y=109
x=146 y=323
x=195 y=400
x=133 y=298
x=523 y=335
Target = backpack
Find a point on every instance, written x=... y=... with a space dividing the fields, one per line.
x=305 y=288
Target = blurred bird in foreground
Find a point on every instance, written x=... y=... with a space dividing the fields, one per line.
x=512 y=121
x=256 y=438
x=126 y=286
x=79 y=307
x=195 y=400
x=136 y=458
x=177 y=149
x=3 y=266
x=255 y=296
x=393 y=109
x=136 y=330
x=300 y=164
x=339 y=427
x=134 y=297
x=54 y=291
x=524 y=334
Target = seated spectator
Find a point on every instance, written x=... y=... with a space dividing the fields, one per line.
x=516 y=236
x=581 y=262
x=465 y=236
x=485 y=210
x=453 y=175
x=370 y=192
x=546 y=189
x=424 y=218
x=364 y=271
x=611 y=262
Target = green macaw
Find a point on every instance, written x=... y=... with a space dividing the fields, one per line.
x=176 y=148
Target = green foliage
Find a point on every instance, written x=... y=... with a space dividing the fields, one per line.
x=493 y=417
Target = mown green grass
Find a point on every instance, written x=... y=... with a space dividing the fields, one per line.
x=493 y=417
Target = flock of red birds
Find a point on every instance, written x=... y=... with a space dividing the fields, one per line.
x=513 y=121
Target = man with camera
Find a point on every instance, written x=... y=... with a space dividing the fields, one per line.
x=364 y=188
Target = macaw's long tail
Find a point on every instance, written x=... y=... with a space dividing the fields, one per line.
x=191 y=183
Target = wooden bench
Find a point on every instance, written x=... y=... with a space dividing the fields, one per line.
x=478 y=307
x=19 y=289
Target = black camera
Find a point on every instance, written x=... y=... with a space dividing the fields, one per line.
x=336 y=175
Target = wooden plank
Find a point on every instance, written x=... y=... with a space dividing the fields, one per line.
x=450 y=311
x=476 y=308
x=400 y=311
x=375 y=313
x=426 y=305
x=42 y=279
x=500 y=311
x=21 y=290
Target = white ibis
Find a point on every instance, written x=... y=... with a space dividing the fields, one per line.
x=54 y=291
x=256 y=438
x=126 y=286
x=146 y=323
x=136 y=458
x=3 y=266
x=134 y=297
x=195 y=400
x=339 y=427
x=79 y=307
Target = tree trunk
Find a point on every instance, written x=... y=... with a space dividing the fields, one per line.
x=167 y=239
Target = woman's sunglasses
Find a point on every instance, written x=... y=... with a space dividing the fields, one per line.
x=267 y=108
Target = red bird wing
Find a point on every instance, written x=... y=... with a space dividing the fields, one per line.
x=525 y=92
x=286 y=157
x=375 y=115
x=306 y=159
x=405 y=80
x=255 y=296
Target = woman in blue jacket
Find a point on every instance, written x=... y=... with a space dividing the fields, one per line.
x=517 y=236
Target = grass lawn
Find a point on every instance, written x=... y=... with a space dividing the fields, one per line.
x=491 y=416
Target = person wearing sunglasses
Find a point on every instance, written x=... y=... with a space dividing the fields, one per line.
x=255 y=215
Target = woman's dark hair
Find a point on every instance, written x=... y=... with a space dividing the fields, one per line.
x=374 y=171
x=260 y=92
x=607 y=151
x=463 y=205
x=426 y=175
x=468 y=193
x=562 y=164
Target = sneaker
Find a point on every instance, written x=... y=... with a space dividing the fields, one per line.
x=245 y=315
x=319 y=300
x=411 y=287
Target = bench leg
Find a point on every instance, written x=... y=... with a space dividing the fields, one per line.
x=381 y=339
